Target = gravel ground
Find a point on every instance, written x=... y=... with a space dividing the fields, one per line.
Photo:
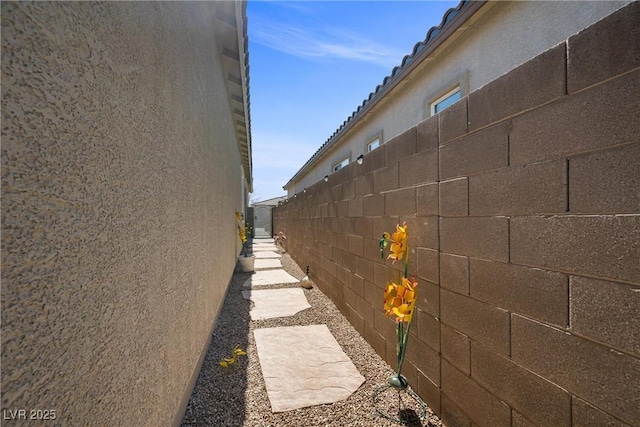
x=236 y=396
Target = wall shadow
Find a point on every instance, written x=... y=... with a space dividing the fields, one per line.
x=218 y=395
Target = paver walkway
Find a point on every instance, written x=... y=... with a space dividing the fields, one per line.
x=301 y=365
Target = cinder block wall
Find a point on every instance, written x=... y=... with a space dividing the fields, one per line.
x=120 y=178
x=523 y=205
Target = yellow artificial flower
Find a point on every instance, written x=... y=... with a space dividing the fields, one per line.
x=400 y=300
x=238 y=215
x=237 y=351
x=399 y=245
x=243 y=236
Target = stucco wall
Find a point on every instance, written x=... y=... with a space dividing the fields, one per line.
x=120 y=178
x=507 y=35
x=523 y=210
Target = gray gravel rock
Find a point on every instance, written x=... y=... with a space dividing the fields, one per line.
x=236 y=396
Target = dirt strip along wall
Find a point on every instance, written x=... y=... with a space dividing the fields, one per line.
x=523 y=207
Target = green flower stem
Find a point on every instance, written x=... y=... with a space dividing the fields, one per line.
x=403 y=337
x=406 y=263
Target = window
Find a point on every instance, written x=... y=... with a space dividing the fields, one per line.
x=445 y=100
x=373 y=145
x=340 y=165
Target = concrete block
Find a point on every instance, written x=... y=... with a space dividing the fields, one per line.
x=426 y=359
x=371 y=250
x=427 y=134
x=477 y=152
x=529 y=189
x=453 y=121
x=373 y=205
x=518 y=420
x=364 y=227
x=454 y=197
x=342 y=208
x=400 y=146
x=607 y=312
x=477 y=403
x=355 y=244
x=423 y=231
x=364 y=268
x=385 y=179
x=482 y=237
x=356 y=284
x=364 y=185
x=418 y=168
x=451 y=415
x=400 y=202
x=375 y=340
x=602 y=246
x=454 y=273
x=427 y=199
x=605 y=49
x=601 y=116
x=606 y=181
x=537 y=399
x=427 y=329
x=429 y=392
x=355 y=207
x=427 y=264
x=536 y=293
x=456 y=348
x=585 y=415
x=348 y=190
x=339 y=177
x=537 y=81
x=476 y=319
x=607 y=379
x=374 y=160
x=428 y=299
x=383 y=274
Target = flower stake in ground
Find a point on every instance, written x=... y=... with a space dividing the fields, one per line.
x=399 y=298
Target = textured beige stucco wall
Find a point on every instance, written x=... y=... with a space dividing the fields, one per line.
x=120 y=178
x=510 y=34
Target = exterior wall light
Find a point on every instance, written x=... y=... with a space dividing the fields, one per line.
x=326 y=178
x=304 y=191
x=360 y=159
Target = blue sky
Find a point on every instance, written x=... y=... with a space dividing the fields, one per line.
x=312 y=63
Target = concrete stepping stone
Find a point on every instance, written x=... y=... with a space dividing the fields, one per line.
x=263 y=240
x=264 y=248
x=304 y=366
x=267 y=263
x=267 y=254
x=271 y=303
x=269 y=277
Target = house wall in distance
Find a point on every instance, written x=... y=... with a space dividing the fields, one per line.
x=524 y=215
x=505 y=36
x=120 y=178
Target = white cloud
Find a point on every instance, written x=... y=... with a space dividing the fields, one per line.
x=322 y=43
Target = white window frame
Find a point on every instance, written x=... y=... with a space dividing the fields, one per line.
x=373 y=141
x=344 y=162
x=434 y=104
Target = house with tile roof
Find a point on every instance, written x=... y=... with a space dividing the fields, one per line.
x=475 y=43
